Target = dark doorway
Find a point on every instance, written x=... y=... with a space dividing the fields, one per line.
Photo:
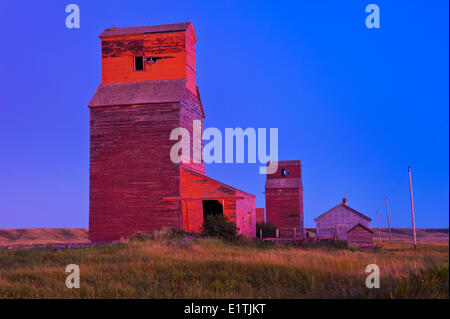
x=212 y=207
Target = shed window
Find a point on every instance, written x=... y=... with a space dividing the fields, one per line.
x=284 y=172
x=139 y=63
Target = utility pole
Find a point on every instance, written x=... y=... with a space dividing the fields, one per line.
x=412 y=208
x=379 y=234
x=389 y=223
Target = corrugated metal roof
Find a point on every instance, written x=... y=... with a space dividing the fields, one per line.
x=144 y=92
x=173 y=27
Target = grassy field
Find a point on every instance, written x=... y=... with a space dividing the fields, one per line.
x=210 y=268
x=44 y=236
x=424 y=235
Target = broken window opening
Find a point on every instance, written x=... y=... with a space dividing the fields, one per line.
x=139 y=63
x=284 y=172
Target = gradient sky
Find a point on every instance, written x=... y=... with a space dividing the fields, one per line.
x=356 y=105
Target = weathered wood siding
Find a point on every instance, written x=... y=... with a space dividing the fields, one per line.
x=130 y=170
x=337 y=222
x=245 y=214
x=190 y=110
x=134 y=185
x=239 y=211
x=284 y=197
x=360 y=237
x=198 y=185
x=260 y=216
x=118 y=54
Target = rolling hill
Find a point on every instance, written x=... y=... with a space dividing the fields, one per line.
x=43 y=236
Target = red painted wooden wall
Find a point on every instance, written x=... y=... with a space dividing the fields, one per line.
x=284 y=196
x=238 y=206
x=260 y=215
x=118 y=52
x=134 y=185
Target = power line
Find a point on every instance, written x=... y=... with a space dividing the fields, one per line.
x=428 y=143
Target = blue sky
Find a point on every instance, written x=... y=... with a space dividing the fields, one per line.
x=356 y=105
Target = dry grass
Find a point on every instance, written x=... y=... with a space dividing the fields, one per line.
x=214 y=269
x=42 y=236
x=424 y=235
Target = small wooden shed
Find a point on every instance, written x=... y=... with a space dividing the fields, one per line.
x=360 y=236
x=335 y=223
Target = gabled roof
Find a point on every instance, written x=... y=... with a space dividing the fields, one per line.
x=173 y=27
x=362 y=226
x=144 y=92
x=214 y=180
x=347 y=207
